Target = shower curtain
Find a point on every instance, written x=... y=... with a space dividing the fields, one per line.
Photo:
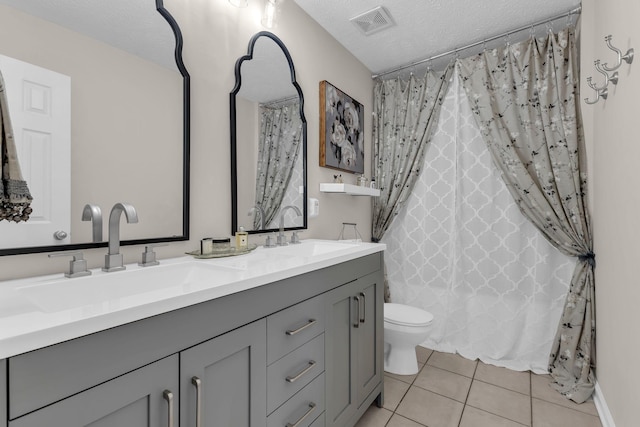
x=278 y=153
x=461 y=249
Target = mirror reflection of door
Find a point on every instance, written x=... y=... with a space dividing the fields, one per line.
x=269 y=137
x=40 y=110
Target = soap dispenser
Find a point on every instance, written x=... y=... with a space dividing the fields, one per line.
x=242 y=239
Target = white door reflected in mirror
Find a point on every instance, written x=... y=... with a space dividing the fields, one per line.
x=40 y=110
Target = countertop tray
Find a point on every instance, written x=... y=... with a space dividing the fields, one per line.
x=231 y=251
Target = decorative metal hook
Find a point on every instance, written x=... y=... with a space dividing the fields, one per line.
x=593 y=86
x=627 y=57
x=603 y=93
x=613 y=78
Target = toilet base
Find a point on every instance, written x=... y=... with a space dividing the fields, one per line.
x=400 y=360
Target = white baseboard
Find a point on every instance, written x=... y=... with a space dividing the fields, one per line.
x=603 y=410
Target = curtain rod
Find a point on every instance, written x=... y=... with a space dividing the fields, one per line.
x=577 y=10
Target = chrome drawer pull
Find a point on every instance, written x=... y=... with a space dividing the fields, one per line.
x=168 y=396
x=295 y=378
x=364 y=307
x=357 y=324
x=197 y=382
x=312 y=407
x=301 y=328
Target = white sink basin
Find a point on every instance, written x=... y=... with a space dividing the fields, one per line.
x=125 y=287
x=136 y=286
x=311 y=248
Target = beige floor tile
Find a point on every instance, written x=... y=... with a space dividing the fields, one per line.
x=404 y=378
x=398 y=421
x=374 y=417
x=513 y=380
x=540 y=389
x=394 y=391
x=453 y=362
x=430 y=409
x=473 y=417
x=547 y=414
x=423 y=354
x=444 y=382
x=500 y=401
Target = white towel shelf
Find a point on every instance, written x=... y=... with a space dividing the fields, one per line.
x=353 y=190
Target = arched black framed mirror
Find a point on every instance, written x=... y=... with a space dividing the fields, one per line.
x=129 y=127
x=268 y=140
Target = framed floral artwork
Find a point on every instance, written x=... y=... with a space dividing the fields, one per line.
x=341 y=130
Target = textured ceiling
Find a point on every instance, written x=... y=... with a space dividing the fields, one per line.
x=425 y=28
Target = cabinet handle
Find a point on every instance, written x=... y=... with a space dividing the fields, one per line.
x=293 y=379
x=364 y=307
x=312 y=407
x=168 y=396
x=357 y=324
x=197 y=382
x=301 y=328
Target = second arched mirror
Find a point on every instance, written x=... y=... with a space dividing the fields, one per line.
x=268 y=140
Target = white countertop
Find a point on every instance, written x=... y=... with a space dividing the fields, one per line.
x=45 y=310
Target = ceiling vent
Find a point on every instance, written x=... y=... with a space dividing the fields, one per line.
x=375 y=20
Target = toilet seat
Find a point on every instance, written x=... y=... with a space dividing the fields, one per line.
x=404 y=315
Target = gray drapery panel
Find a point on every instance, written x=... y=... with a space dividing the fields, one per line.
x=405 y=115
x=278 y=150
x=15 y=198
x=525 y=98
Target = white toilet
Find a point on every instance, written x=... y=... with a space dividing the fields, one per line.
x=404 y=328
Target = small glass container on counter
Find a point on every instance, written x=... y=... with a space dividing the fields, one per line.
x=206 y=246
x=221 y=244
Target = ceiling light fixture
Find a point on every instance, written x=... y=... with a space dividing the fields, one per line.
x=239 y=3
x=270 y=14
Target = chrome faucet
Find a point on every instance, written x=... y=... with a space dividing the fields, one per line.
x=113 y=261
x=94 y=214
x=282 y=239
x=260 y=211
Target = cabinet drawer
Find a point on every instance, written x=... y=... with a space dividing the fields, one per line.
x=290 y=328
x=303 y=407
x=139 y=398
x=295 y=370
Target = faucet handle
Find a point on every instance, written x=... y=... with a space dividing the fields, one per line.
x=149 y=256
x=269 y=243
x=77 y=266
x=294 y=237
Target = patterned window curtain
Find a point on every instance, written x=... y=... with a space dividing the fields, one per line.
x=15 y=198
x=278 y=149
x=525 y=100
x=405 y=116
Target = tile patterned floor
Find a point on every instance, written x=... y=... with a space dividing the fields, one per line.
x=450 y=391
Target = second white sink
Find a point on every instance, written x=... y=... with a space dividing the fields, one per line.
x=165 y=280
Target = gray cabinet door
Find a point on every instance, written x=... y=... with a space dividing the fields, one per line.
x=340 y=342
x=354 y=348
x=369 y=338
x=3 y=393
x=230 y=372
x=136 y=399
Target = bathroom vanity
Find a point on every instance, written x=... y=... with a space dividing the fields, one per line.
x=288 y=336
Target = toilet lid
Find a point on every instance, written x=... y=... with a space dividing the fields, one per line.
x=405 y=315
